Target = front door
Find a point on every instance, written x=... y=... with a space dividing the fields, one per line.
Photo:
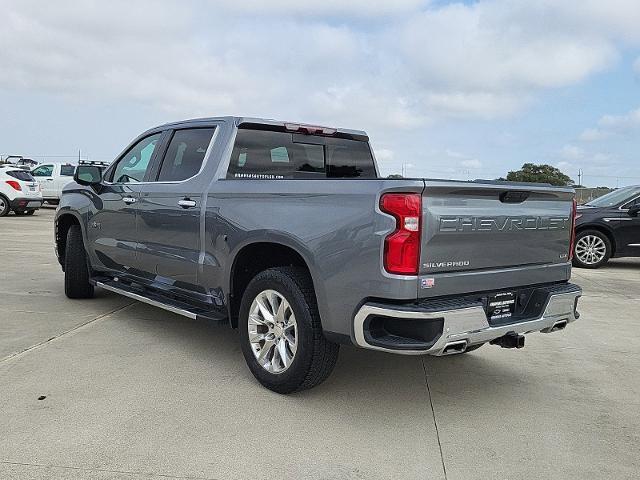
x=44 y=176
x=629 y=230
x=112 y=230
x=169 y=210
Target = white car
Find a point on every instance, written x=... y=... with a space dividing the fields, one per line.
x=52 y=178
x=18 y=192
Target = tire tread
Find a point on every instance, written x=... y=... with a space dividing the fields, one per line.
x=76 y=270
x=324 y=354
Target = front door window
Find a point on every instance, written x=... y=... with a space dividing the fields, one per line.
x=132 y=167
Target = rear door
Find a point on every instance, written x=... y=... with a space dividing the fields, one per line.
x=112 y=230
x=170 y=205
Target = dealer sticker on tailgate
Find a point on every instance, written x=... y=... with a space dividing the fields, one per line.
x=501 y=305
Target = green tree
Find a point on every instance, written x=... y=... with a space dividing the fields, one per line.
x=530 y=172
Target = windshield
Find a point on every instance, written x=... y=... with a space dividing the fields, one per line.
x=616 y=197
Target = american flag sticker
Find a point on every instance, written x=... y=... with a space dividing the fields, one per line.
x=428 y=282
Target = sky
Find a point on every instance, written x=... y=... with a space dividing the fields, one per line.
x=460 y=90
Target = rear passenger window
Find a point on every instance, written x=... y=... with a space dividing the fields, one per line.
x=349 y=160
x=185 y=154
x=67 y=170
x=262 y=154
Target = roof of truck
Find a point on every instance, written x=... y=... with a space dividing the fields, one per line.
x=254 y=120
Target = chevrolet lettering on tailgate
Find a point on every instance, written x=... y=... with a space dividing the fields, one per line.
x=502 y=223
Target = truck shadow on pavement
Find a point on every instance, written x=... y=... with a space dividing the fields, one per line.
x=360 y=375
x=621 y=264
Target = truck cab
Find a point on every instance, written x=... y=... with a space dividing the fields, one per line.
x=52 y=178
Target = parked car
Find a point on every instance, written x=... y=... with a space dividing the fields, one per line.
x=52 y=178
x=287 y=232
x=608 y=227
x=18 y=191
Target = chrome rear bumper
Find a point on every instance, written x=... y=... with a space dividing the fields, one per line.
x=468 y=325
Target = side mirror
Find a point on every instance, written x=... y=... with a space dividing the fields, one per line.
x=89 y=175
x=633 y=211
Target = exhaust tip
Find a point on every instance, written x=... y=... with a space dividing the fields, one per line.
x=559 y=326
x=454 y=347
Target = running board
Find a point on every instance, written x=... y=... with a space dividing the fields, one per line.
x=149 y=301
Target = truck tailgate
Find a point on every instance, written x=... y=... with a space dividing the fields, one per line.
x=488 y=226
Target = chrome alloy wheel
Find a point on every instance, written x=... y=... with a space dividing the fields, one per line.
x=3 y=205
x=591 y=249
x=273 y=332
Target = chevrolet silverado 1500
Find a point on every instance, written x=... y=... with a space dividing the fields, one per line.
x=288 y=233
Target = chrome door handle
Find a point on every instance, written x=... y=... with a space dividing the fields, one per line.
x=186 y=203
x=128 y=200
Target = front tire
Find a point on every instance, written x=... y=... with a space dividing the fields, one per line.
x=592 y=249
x=280 y=331
x=76 y=269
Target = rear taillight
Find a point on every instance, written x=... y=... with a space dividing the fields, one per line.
x=574 y=217
x=402 y=247
x=15 y=185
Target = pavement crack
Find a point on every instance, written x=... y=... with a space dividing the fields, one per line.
x=62 y=334
x=107 y=470
x=435 y=422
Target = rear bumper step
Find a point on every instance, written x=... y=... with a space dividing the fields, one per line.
x=454 y=326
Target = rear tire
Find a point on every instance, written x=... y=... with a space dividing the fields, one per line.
x=312 y=357
x=76 y=269
x=4 y=206
x=592 y=249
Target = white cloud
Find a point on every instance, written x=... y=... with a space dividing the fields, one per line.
x=473 y=104
x=593 y=135
x=384 y=155
x=492 y=46
x=472 y=163
x=463 y=160
x=610 y=125
x=572 y=152
x=592 y=164
x=334 y=8
x=366 y=64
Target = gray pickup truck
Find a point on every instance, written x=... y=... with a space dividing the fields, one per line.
x=287 y=232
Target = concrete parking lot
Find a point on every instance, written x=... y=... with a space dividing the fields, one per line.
x=135 y=392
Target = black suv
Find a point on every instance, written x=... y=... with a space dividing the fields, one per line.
x=608 y=227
